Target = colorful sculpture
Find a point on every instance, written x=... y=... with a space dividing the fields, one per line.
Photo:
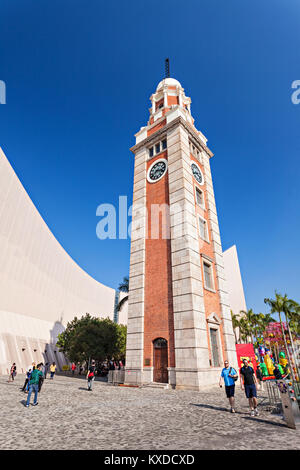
x=269 y=364
x=263 y=369
x=282 y=359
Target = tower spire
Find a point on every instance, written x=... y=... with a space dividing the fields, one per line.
x=167 y=68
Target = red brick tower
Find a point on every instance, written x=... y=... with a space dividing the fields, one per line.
x=179 y=323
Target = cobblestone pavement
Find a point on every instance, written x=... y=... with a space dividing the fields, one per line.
x=115 y=418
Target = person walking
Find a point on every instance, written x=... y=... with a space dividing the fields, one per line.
x=27 y=379
x=248 y=383
x=91 y=375
x=12 y=372
x=52 y=370
x=46 y=370
x=229 y=374
x=32 y=366
x=259 y=377
x=34 y=385
x=42 y=377
x=73 y=367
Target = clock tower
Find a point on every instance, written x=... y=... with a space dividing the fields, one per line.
x=179 y=321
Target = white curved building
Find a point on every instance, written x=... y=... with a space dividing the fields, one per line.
x=41 y=287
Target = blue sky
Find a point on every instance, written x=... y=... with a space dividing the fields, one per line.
x=79 y=76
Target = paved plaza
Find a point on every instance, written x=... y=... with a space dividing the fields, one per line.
x=117 y=418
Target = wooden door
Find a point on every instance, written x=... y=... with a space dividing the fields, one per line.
x=160 y=351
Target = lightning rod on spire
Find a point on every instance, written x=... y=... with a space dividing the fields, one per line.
x=167 y=68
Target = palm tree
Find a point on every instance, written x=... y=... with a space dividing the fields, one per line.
x=258 y=324
x=293 y=317
x=253 y=324
x=123 y=287
x=235 y=324
x=244 y=328
x=251 y=320
x=268 y=319
x=263 y=320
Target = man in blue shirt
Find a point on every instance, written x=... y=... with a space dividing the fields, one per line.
x=229 y=374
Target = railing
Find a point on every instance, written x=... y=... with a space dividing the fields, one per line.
x=116 y=377
x=273 y=395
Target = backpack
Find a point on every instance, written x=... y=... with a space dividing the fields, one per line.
x=234 y=378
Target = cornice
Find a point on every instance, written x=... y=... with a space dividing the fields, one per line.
x=179 y=121
x=208 y=258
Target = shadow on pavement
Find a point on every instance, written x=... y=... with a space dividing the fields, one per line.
x=81 y=376
x=218 y=408
x=264 y=421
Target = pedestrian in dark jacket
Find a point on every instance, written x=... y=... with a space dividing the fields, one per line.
x=41 y=377
x=26 y=383
x=46 y=369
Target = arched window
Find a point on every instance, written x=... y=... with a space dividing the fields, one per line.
x=160 y=343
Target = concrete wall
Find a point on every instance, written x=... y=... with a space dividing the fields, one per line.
x=41 y=287
x=123 y=313
x=234 y=280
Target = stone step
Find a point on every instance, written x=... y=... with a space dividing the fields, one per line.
x=158 y=385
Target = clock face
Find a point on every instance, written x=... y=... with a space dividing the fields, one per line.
x=197 y=173
x=157 y=170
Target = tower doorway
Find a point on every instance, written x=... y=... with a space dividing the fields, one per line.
x=160 y=360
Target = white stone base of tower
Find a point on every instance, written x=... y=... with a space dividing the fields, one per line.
x=133 y=377
x=197 y=379
x=180 y=379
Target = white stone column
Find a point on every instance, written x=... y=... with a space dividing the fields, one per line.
x=165 y=98
x=153 y=105
x=135 y=325
x=191 y=347
x=179 y=96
